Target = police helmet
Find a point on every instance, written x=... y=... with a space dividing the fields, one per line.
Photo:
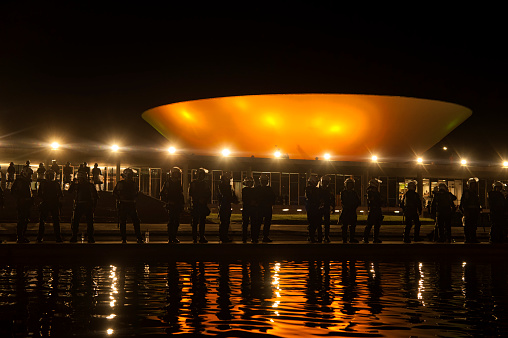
x=375 y=183
x=176 y=173
x=313 y=180
x=411 y=185
x=248 y=181
x=127 y=173
x=325 y=180
x=349 y=182
x=498 y=184
x=264 y=179
x=472 y=180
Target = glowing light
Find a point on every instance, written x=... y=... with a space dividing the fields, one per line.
x=445 y=148
x=277 y=154
x=505 y=164
x=327 y=156
x=110 y=331
x=299 y=210
x=285 y=209
x=115 y=147
x=171 y=150
x=396 y=211
x=55 y=145
x=226 y=152
x=374 y=158
x=419 y=160
x=340 y=124
x=463 y=162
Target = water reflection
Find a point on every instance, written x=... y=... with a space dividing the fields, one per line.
x=286 y=298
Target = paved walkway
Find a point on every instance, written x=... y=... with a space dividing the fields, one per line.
x=296 y=233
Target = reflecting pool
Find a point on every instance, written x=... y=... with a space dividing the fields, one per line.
x=278 y=298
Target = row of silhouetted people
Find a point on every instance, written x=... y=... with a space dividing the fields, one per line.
x=257 y=204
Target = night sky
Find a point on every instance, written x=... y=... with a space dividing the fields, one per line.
x=85 y=72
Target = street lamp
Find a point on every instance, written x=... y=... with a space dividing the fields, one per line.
x=55 y=145
x=327 y=157
x=171 y=150
x=115 y=148
x=225 y=152
x=277 y=154
x=419 y=160
x=374 y=158
x=463 y=162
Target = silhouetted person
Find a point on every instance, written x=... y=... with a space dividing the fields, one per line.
x=22 y=191
x=126 y=191
x=96 y=175
x=249 y=208
x=199 y=194
x=498 y=210
x=226 y=198
x=41 y=174
x=312 y=202
x=30 y=170
x=85 y=200
x=56 y=168
x=470 y=207
x=67 y=173
x=350 y=202
x=84 y=168
x=50 y=193
x=11 y=173
x=412 y=207
x=326 y=206
x=443 y=207
x=265 y=198
x=172 y=195
x=375 y=216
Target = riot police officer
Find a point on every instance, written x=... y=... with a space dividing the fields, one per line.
x=11 y=172
x=375 y=216
x=85 y=201
x=412 y=208
x=41 y=174
x=56 y=168
x=126 y=192
x=172 y=196
x=199 y=194
x=22 y=190
x=350 y=202
x=470 y=207
x=67 y=173
x=326 y=206
x=498 y=210
x=29 y=170
x=443 y=207
x=249 y=207
x=50 y=194
x=227 y=196
x=265 y=199
x=312 y=203
x=96 y=173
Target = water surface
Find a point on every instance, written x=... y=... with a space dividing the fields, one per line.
x=280 y=298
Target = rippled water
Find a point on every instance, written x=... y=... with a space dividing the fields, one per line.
x=286 y=298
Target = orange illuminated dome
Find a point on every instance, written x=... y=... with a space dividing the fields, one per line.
x=306 y=126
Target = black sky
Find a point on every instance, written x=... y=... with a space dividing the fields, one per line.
x=87 y=71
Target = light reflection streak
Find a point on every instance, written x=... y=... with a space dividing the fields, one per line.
x=113 y=291
x=421 y=287
x=276 y=284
